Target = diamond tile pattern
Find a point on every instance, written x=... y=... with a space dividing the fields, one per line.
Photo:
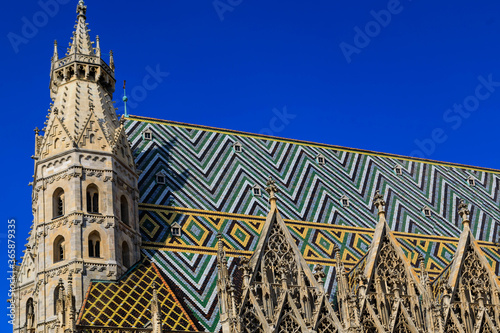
x=127 y=302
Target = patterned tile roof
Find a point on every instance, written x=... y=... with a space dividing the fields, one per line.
x=127 y=303
x=213 y=183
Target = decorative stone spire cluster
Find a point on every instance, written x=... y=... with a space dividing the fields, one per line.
x=82 y=87
x=382 y=293
x=65 y=307
x=280 y=292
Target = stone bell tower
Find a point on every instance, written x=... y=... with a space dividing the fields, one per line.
x=85 y=192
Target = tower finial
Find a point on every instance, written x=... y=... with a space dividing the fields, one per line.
x=272 y=189
x=463 y=211
x=125 y=98
x=97 y=46
x=111 y=61
x=81 y=9
x=220 y=248
x=55 y=56
x=379 y=202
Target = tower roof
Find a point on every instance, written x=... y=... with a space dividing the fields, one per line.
x=80 y=42
x=82 y=60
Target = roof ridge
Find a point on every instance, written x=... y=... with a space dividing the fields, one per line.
x=318 y=144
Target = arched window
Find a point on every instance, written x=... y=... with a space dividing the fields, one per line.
x=56 y=143
x=92 y=199
x=58 y=203
x=124 y=209
x=94 y=245
x=91 y=138
x=30 y=313
x=28 y=274
x=125 y=255
x=59 y=250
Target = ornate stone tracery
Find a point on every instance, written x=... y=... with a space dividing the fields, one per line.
x=280 y=292
x=382 y=293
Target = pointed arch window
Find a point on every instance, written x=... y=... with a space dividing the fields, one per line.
x=56 y=143
x=59 y=249
x=92 y=199
x=94 y=245
x=124 y=210
x=125 y=254
x=58 y=203
x=92 y=138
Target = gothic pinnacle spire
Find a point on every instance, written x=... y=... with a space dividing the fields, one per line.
x=111 y=61
x=55 y=56
x=97 y=46
x=81 y=43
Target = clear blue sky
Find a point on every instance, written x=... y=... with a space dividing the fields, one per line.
x=411 y=77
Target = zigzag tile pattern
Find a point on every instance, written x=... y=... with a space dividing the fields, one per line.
x=204 y=172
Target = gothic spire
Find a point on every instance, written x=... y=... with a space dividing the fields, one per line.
x=225 y=289
x=55 y=56
x=98 y=46
x=280 y=291
x=111 y=61
x=362 y=294
x=469 y=279
x=156 y=311
x=81 y=43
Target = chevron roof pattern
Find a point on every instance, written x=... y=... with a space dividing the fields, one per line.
x=209 y=189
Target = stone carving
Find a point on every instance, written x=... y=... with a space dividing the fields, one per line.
x=382 y=293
